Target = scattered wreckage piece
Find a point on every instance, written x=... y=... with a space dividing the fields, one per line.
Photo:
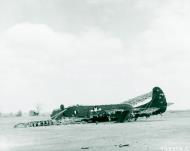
x=85 y=147
x=123 y=145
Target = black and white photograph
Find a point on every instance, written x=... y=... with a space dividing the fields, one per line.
x=94 y=75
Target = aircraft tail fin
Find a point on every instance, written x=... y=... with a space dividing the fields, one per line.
x=158 y=100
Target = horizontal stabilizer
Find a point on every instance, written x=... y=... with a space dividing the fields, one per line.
x=170 y=103
x=149 y=110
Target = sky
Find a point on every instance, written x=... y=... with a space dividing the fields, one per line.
x=70 y=52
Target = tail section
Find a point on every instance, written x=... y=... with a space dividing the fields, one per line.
x=151 y=103
x=157 y=104
x=158 y=100
x=154 y=104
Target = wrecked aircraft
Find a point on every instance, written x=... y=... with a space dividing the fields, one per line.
x=146 y=105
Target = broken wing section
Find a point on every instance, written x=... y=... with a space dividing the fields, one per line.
x=139 y=100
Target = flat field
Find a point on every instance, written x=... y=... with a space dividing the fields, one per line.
x=170 y=132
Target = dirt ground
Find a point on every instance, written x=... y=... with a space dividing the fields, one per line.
x=170 y=132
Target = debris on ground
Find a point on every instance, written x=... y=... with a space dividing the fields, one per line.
x=85 y=147
x=123 y=145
